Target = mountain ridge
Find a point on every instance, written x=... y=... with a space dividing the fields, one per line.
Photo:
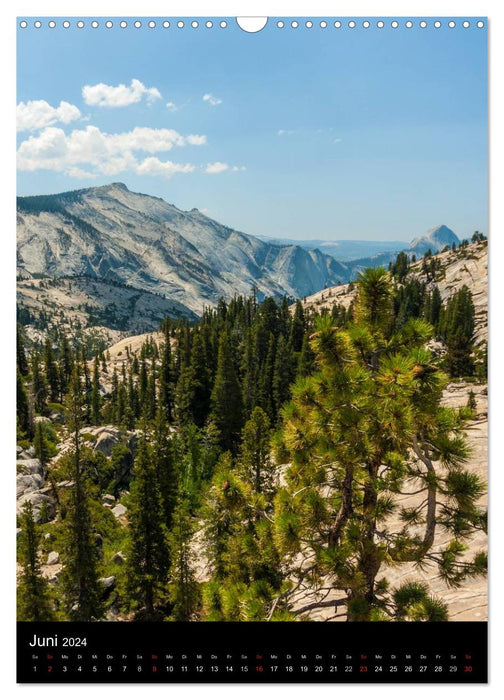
x=114 y=234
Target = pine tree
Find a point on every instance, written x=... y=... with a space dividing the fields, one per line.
x=265 y=397
x=201 y=389
x=51 y=371
x=183 y=588
x=66 y=364
x=148 y=556
x=458 y=333
x=166 y=467
x=298 y=327
x=255 y=452
x=39 y=386
x=95 y=394
x=40 y=443
x=166 y=377
x=23 y=407
x=33 y=598
x=226 y=397
x=79 y=579
x=22 y=362
x=283 y=374
x=366 y=427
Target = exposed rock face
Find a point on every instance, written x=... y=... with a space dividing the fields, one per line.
x=30 y=486
x=109 y=233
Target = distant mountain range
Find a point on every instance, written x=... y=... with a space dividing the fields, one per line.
x=344 y=250
x=141 y=243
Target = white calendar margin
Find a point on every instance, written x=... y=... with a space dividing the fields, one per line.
x=495 y=12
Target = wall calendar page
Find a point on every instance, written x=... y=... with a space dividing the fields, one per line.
x=252 y=409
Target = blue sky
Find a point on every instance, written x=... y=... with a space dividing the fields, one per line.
x=306 y=133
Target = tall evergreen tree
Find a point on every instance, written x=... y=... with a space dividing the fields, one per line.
x=51 y=371
x=33 y=599
x=148 y=556
x=255 y=450
x=38 y=384
x=458 y=333
x=283 y=374
x=166 y=376
x=95 y=393
x=23 y=407
x=166 y=466
x=79 y=579
x=297 y=327
x=226 y=397
x=40 y=443
x=22 y=362
x=183 y=588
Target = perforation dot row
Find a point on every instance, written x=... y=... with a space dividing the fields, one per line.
x=295 y=24
x=366 y=24
x=123 y=24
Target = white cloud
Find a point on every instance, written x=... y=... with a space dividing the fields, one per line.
x=238 y=168
x=103 y=95
x=102 y=153
x=217 y=167
x=286 y=132
x=37 y=114
x=172 y=106
x=196 y=139
x=154 y=166
x=211 y=99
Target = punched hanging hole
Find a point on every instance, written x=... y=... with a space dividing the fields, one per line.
x=23 y=24
x=52 y=24
x=480 y=24
x=366 y=24
x=123 y=24
x=109 y=24
x=409 y=24
x=452 y=24
x=323 y=24
x=152 y=24
x=280 y=24
x=252 y=25
x=208 y=24
x=166 y=24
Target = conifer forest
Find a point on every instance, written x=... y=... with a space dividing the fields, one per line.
x=272 y=460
